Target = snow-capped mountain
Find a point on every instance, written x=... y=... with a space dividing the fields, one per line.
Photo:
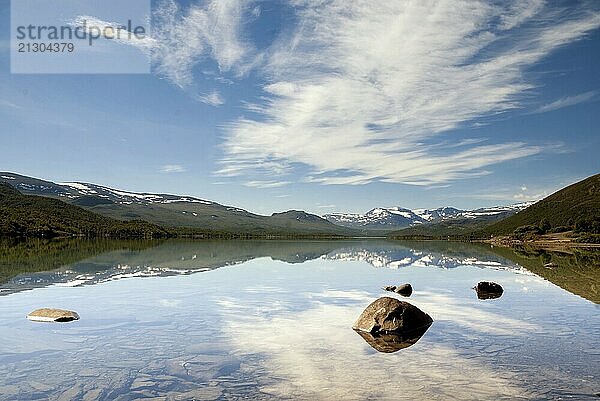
x=90 y=193
x=395 y=218
x=172 y=210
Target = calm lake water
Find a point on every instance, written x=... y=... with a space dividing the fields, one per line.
x=272 y=320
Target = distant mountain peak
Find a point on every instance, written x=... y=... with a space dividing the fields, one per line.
x=396 y=217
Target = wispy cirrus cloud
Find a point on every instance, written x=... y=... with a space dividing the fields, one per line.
x=213 y=98
x=172 y=168
x=204 y=31
x=364 y=91
x=567 y=101
x=266 y=184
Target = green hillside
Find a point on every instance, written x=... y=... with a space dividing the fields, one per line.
x=43 y=217
x=35 y=216
x=180 y=215
x=576 y=207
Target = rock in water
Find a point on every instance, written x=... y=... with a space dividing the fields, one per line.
x=52 y=315
x=387 y=315
x=488 y=290
x=405 y=290
x=389 y=325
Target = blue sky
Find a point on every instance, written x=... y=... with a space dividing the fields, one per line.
x=326 y=105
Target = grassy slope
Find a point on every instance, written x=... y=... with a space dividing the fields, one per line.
x=219 y=218
x=563 y=208
x=35 y=216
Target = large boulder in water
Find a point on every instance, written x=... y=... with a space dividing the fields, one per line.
x=488 y=290
x=387 y=315
x=52 y=315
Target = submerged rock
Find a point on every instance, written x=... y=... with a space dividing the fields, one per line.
x=52 y=315
x=391 y=315
x=488 y=290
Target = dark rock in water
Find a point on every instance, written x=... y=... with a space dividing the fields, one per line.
x=389 y=325
x=488 y=290
x=404 y=290
x=391 y=315
x=52 y=315
x=392 y=341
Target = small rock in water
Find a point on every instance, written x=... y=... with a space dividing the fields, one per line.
x=404 y=290
x=52 y=315
x=488 y=290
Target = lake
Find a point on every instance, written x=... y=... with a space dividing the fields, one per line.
x=185 y=320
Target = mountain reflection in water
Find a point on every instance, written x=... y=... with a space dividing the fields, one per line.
x=578 y=272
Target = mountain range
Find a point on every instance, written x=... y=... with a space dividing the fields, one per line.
x=32 y=206
x=178 y=213
x=397 y=218
x=187 y=212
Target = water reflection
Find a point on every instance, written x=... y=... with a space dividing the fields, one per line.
x=392 y=342
x=276 y=324
x=36 y=264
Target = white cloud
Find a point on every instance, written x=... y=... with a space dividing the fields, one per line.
x=9 y=104
x=362 y=91
x=567 y=101
x=172 y=168
x=183 y=38
x=266 y=184
x=511 y=196
x=214 y=98
x=203 y=31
